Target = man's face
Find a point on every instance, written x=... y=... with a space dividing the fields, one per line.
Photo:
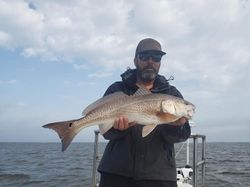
x=148 y=65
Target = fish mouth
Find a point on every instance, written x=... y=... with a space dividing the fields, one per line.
x=190 y=114
x=191 y=111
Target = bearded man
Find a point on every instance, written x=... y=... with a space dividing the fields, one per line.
x=129 y=160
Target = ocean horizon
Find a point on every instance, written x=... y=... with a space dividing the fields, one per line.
x=43 y=163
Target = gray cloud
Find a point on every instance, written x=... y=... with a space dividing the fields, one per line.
x=207 y=44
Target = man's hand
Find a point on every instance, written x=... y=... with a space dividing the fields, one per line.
x=179 y=122
x=122 y=123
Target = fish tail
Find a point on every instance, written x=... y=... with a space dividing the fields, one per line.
x=65 y=130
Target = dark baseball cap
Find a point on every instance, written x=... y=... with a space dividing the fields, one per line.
x=148 y=45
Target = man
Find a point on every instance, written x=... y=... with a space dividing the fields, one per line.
x=130 y=160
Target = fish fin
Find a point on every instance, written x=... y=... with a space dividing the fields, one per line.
x=142 y=91
x=104 y=100
x=105 y=127
x=167 y=117
x=65 y=130
x=147 y=129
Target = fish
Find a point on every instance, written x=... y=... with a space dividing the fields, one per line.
x=143 y=108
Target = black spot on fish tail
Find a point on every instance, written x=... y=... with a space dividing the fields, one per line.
x=65 y=131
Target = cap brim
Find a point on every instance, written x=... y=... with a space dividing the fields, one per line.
x=153 y=51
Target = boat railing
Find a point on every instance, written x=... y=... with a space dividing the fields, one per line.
x=196 y=162
x=96 y=158
x=199 y=163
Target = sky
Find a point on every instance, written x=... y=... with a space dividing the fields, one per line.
x=58 y=56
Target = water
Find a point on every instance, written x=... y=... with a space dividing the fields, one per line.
x=43 y=164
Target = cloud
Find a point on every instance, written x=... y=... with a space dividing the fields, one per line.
x=16 y=108
x=5 y=40
x=80 y=66
x=12 y=81
x=24 y=26
x=65 y=31
x=207 y=43
x=100 y=75
x=79 y=83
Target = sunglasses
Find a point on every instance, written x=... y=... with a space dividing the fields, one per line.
x=147 y=56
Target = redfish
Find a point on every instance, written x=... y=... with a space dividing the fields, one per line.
x=144 y=108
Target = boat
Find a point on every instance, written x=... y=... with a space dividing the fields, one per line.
x=186 y=175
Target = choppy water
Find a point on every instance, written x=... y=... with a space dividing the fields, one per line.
x=43 y=164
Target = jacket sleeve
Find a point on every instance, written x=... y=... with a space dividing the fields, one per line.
x=113 y=134
x=175 y=134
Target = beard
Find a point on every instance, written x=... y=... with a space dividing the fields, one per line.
x=147 y=74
